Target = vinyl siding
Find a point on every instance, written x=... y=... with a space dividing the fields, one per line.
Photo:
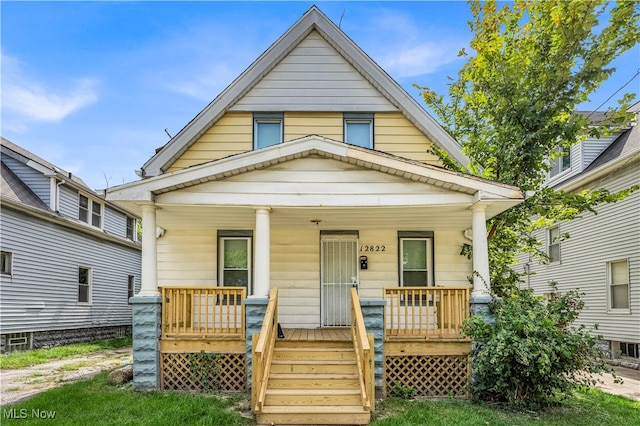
x=612 y=234
x=189 y=258
x=593 y=147
x=35 y=180
x=394 y=134
x=114 y=222
x=68 y=202
x=232 y=134
x=313 y=77
x=298 y=124
x=42 y=292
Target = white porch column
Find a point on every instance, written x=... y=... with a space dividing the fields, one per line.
x=481 y=284
x=149 y=285
x=262 y=284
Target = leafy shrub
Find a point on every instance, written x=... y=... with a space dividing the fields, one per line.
x=532 y=354
x=402 y=392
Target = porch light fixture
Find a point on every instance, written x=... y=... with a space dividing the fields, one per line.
x=316 y=221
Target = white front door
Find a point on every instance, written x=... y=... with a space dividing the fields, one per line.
x=338 y=274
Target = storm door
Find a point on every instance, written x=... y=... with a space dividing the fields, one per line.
x=338 y=274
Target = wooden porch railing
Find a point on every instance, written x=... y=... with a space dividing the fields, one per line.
x=263 y=352
x=203 y=312
x=363 y=345
x=425 y=312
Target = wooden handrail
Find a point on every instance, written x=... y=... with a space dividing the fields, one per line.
x=363 y=345
x=203 y=312
x=263 y=352
x=425 y=312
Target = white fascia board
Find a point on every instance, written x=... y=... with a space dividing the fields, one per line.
x=42 y=169
x=144 y=189
x=313 y=19
x=600 y=171
x=314 y=200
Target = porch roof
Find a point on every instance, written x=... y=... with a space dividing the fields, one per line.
x=462 y=189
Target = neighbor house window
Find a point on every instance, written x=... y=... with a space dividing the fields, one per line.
x=358 y=129
x=6 y=263
x=131 y=286
x=618 y=280
x=89 y=211
x=561 y=163
x=416 y=259
x=84 y=285
x=629 y=349
x=131 y=228
x=267 y=129
x=235 y=260
x=553 y=248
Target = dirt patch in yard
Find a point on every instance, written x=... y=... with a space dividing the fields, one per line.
x=17 y=385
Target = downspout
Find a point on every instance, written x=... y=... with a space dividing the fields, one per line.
x=57 y=195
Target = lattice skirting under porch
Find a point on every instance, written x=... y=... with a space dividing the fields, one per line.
x=195 y=372
x=429 y=375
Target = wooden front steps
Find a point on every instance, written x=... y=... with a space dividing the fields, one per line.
x=313 y=382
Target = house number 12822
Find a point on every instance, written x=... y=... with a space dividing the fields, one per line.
x=373 y=248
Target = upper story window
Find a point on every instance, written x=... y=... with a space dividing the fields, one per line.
x=358 y=129
x=89 y=211
x=6 y=263
x=561 y=163
x=131 y=228
x=553 y=244
x=267 y=129
x=618 y=281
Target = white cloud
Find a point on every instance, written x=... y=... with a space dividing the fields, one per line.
x=405 y=49
x=25 y=99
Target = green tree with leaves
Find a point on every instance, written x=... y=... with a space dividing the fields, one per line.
x=512 y=107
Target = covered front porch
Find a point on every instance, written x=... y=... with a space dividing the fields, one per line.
x=312 y=235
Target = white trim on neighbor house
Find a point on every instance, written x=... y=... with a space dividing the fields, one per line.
x=313 y=19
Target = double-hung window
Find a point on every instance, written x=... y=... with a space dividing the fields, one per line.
x=89 y=211
x=84 y=285
x=131 y=228
x=6 y=263
x=562 y=162
x=131 y=286
x=358 y=129
x=618 y=281
x=416 y=259
x=553 y=244
x=235 y=260
x=267 y=129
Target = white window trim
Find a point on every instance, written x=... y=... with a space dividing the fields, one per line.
x=9 y=254
x=560 y=158
x=91 y=202
x=89 y=291
x=430 y=248
x=610 y=308
x=267 y=118
x=354 y=120
x=550 y=243
x=134 y=236
x=221 y=268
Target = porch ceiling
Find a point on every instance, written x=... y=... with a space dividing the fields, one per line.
x=216 y=217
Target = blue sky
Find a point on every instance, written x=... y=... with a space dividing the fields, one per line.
x=91 y=86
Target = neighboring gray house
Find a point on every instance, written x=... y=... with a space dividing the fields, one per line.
x=69 y=259
x=602 y=255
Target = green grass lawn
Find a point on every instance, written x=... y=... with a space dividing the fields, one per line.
x=40 y=356
x=95 y=402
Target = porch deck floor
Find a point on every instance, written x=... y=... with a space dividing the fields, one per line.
x=317 y=334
